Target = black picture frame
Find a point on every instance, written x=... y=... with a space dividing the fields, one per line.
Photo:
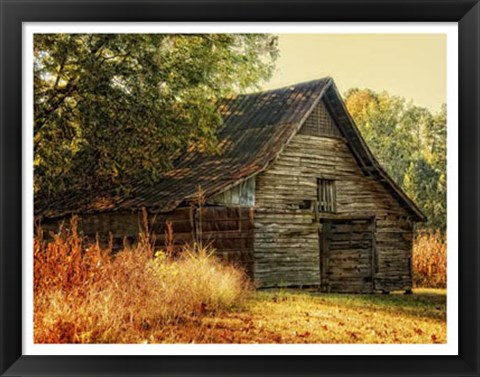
x=13 y=13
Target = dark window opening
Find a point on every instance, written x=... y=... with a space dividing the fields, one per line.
x=326 y=195
x=306 y=204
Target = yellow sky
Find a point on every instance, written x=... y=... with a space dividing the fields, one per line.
x=408 y=65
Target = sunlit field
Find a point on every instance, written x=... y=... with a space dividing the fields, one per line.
x=295 y=316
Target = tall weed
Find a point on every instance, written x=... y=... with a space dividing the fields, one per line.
x=85 y=294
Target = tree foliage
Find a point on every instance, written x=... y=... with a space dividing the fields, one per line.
x=112 y=108
x=410 y=142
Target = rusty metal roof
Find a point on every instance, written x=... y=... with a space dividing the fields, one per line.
x=256 y=127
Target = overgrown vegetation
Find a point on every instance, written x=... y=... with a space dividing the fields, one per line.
x=430 y=260
x=84 y=294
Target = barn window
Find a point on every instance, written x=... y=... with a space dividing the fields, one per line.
x=243 y=195
x=326 y=195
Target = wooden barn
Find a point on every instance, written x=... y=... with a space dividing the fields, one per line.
x=295 y=196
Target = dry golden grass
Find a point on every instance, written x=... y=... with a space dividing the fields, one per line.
x=430 y=260
x=85 y=295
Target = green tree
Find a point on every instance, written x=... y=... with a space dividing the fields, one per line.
x=427 y=177
x=112 y=108
x=410 y=143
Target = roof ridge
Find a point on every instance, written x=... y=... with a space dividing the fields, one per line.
x=321 y=81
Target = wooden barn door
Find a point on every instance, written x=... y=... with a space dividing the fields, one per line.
x=346 y=255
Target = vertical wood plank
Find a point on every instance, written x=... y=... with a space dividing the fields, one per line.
x=334 y=197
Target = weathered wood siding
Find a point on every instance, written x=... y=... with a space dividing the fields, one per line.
x=287 y=237
x=242 y=195
x=228 y=230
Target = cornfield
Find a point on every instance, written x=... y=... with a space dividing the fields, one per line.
x=430 y=260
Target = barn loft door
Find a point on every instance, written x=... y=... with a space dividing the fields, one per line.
x=346 y=252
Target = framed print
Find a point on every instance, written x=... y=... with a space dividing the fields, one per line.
x=207 y=188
